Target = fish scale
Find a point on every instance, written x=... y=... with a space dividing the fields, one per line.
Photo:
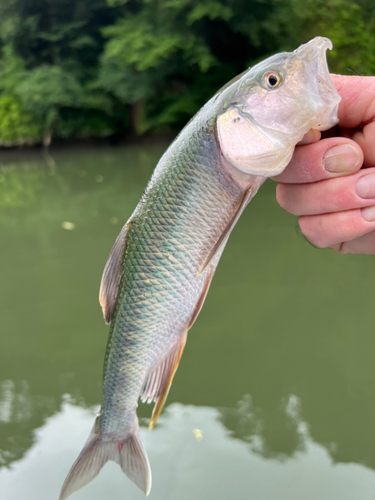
x=159 y=260
x=162 y=263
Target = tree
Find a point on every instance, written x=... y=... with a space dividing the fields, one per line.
x=349 y=24
x=44 y=91
x=56 y=45
x=100 y=67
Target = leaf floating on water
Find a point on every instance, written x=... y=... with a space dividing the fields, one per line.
x=198 y=434
x=69 y=226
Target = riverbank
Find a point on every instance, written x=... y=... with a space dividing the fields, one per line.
x=57 y=146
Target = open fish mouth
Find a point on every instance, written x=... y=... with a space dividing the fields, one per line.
x=315 y=53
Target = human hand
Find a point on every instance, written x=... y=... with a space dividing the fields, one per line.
x=324 y=183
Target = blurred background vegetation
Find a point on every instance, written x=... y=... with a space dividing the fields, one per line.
x=93 y=68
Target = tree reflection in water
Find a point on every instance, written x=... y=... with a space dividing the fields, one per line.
x=246 y=423
x=211 y=463
x=288 y=324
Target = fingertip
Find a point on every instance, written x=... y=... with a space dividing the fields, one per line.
x=343 y=159
x=330 y=229
x=357 y=104
x=305 y=223
x=311 y=136
x=279 y=197
x=327 y=158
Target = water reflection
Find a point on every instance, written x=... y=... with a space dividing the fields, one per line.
x=246 y=423
x=20 y=414
x=281 y=318
x=215 y=466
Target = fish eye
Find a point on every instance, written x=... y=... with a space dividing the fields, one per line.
x=271 y=79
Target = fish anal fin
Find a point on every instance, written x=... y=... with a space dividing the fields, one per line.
x=112 y=275
x=246 y=197
x=159 y=379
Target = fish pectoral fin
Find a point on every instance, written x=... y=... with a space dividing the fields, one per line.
x=202 y=296
x=112 y=275
x=159 y=379
x=246 y=197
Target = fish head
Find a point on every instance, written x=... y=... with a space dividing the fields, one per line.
x=268 y=110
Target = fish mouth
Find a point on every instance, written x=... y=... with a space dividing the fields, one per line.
x=315 y=53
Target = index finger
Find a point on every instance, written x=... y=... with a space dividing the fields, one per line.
x=356 y=112
x=357 y=106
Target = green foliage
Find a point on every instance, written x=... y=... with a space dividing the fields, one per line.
x=135 y=41
x=350 y=25
x=11 y=70
x=76 y=68
x=16 y=125
x=49 y=60
x=44 y=91
x=156 y=54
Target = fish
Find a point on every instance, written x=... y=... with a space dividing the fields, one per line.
x=161 y=265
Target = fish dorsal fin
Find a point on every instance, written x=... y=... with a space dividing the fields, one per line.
x=112 y=274
x=159 y=379
x=246 y=197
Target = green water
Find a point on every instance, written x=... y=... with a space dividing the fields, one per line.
x=275 y=395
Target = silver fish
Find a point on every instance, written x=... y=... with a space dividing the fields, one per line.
x=161 y=266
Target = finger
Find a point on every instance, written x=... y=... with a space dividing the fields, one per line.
x=366 y=139
x=312 y=135
x=356 y=112
x=357 y=104
x=327 y=158
x=332 y=229
x=364 y=244
x=332 y=195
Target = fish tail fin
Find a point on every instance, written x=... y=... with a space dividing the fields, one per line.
x=134 y=462
x=93 y=456
x=129 y=453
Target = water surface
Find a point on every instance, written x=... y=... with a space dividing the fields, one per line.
x=275 y=395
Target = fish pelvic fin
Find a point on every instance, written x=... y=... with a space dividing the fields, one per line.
x=202 y=297
x=129 y=453
x=159 y=379
x=112 y=275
